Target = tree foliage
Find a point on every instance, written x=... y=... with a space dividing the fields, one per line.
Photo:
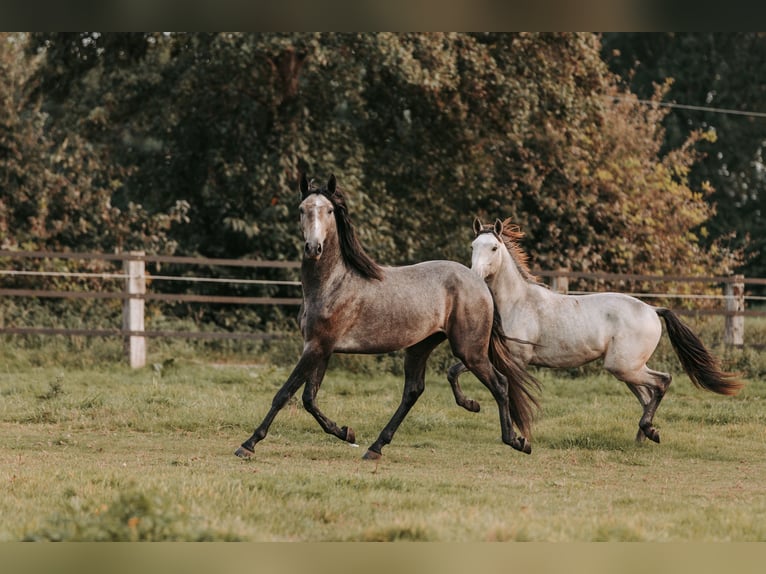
x=718 y=71
x=56 y=189
x=423 y=131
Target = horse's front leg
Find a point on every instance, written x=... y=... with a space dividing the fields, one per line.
x=453 y=374
x=309 y=402
x=307 y=365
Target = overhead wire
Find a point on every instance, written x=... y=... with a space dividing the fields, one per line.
x=692 y=107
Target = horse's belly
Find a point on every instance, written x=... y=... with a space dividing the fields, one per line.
x=573 y=350
x=565 y=358
x=378 y=344
x=386 y=337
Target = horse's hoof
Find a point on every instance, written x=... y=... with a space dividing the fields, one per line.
x=372 y=455
x=350 y=435
x=652 y=434
x=523 y=445
x=243 y=452
x=472 y=405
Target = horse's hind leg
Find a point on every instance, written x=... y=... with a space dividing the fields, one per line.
x=309 y=403
x=415 y=359
x=658 y=389
x=649 y=387
x=453 y=374
x=644 y=396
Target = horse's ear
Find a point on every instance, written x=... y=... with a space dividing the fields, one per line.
x=476 y=226
x=331 y=185
x=498 y=227
x=304 y=186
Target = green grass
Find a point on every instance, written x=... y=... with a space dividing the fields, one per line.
x=91 y=450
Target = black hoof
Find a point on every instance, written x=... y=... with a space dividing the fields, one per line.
x=349 y=436
x=471 y=405
x=523 y=445
x=372 y=455
x=652 y=434
x=243 y=452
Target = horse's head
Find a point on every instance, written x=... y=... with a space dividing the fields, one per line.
x=486 y=258
x=317 y=216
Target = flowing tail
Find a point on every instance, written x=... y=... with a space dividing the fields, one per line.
x=521 y=385
x=701 y=366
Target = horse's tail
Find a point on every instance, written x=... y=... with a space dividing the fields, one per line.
x=701 y=366
x=521 y=385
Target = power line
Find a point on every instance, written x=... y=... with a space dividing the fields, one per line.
x=693 y=108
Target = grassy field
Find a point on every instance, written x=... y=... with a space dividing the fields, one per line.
x=90 y=450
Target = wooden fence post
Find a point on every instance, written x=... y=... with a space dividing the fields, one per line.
x=133 y=308
x=560 y=283
x=734 y=291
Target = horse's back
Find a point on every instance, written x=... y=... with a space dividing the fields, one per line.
x=618 y=308
x=439 y=276
x=445 y=284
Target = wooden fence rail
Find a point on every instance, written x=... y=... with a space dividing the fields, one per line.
x=134 y=294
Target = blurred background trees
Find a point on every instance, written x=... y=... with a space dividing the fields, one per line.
x=720 y=71
x=193 y=143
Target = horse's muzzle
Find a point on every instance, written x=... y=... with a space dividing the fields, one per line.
x=312 y=249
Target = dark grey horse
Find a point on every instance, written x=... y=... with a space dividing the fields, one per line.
x=353 y=305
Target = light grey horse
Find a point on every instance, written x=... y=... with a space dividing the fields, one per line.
x=555 y=330
x=353 y=305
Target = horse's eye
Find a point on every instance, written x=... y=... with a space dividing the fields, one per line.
x=494 y=248
x=331 y=211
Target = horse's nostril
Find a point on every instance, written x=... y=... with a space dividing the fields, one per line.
x=312 y=249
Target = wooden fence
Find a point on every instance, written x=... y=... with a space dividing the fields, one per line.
x=135 y=280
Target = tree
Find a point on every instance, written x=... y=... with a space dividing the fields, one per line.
x=55 y=189
x=719 y=71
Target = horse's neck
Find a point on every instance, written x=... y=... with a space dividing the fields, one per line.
x=319 y=276
x=509 y=286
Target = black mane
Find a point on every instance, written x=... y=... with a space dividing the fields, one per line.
x=351 y=249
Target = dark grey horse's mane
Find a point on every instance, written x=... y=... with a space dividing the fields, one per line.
x=351 y=249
